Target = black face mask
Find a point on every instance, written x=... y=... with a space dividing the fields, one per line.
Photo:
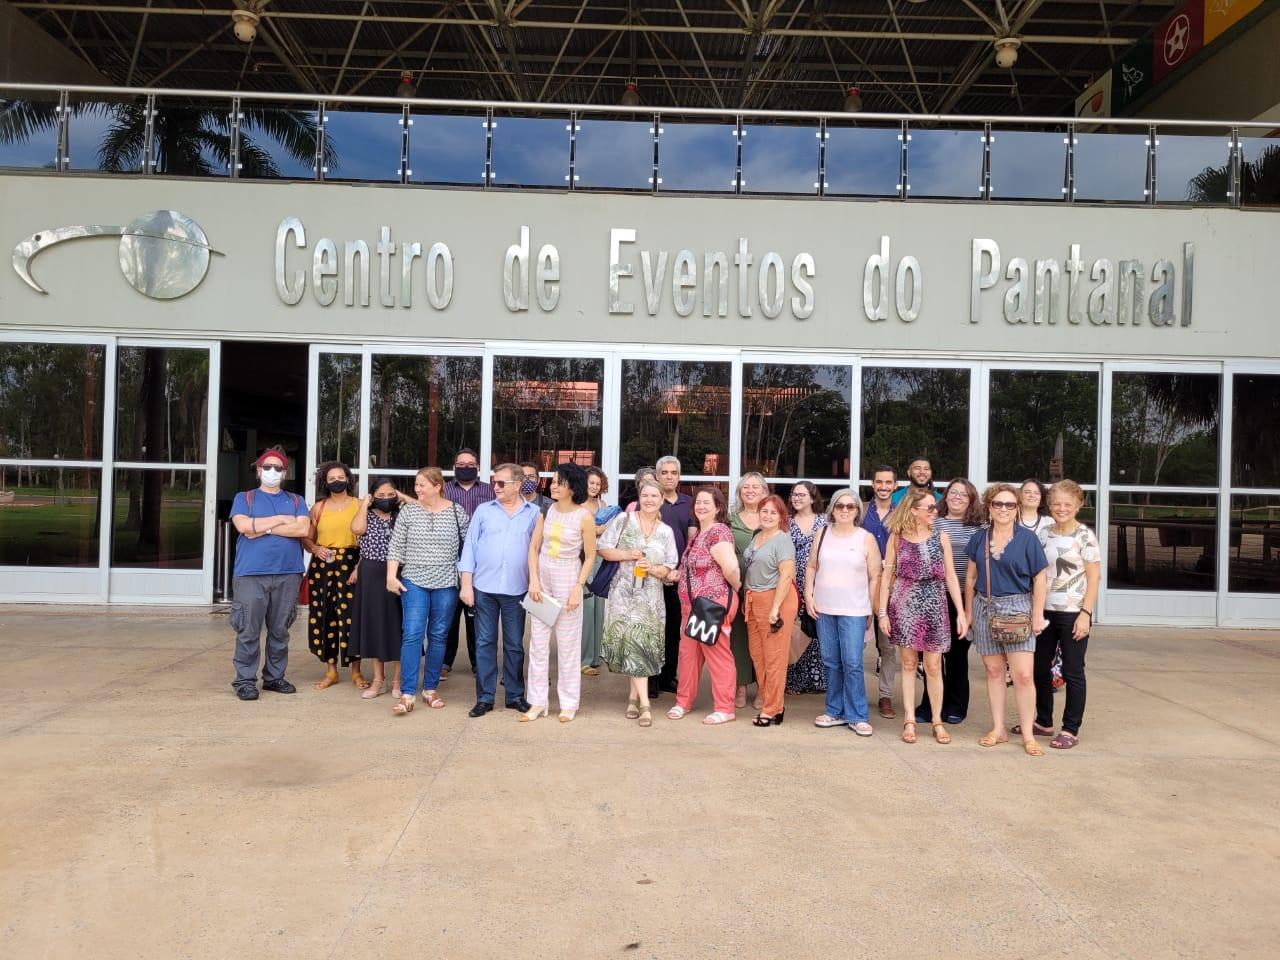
x=466 y=474
x=385 y=504
x=336 y=486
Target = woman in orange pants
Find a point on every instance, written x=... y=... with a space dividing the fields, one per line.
x=772 y=606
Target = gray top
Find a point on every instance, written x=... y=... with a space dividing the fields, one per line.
x=762 y=562
x=427 y=545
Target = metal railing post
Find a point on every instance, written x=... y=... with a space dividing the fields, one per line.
x=655 y=181
x=62 y=160
x=573 y=128
x=987 y=137
x=149 y=135
x=739 y=134
x=322 y=119
x=1235 y=191
x=821 y=185
x=406 y=121
x=488 y=147
x=233 y=130
x=903 y=184
x=1152 y=141
x=1069 y=173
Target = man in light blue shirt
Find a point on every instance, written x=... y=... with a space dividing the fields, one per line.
x=494 y=570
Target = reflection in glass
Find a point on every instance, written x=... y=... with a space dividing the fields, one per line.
x=1111 y=166
x=1164 y=429
x=615 y=154
x=162 y=407
x=700 y=157
x=796 y=419
x=863 y=161
x=29 y=132
x=338 y=429
x=51 y=397
x=1162 y=541
x=531 y=151
x=1259 y=161
x=677 y=407
x=1254 y=564
x=278 y=142
x=106 y=136
x=158 y=521
x=1028 y=164
x=49 y=516
x=447 y=149
x=944 y=163
x=779 y=159
x=910 y=412
x=627 y=490
x=547 y=410
x=1183 y=162
x=424 y=409
x=1255 y=412
x=366 y=145
x=1044 y=424
x=192 y=140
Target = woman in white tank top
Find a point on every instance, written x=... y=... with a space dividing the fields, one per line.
x=842 y=577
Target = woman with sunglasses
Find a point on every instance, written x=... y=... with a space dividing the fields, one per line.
x=843 y=575
x=1015 y=585
x=919 y=575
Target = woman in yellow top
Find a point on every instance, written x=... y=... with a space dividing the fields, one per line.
x=332 y=574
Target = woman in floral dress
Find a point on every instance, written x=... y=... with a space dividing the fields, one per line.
x=808 y=674
x=634 y=640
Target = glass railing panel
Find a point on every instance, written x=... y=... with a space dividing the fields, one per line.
x=614 y=154
x=863 y=161
x=1193 y=168
x=1028 y=165
x=1111 y=166
x=278 y=141
x=28 y=131
x=447 y=148
x=531 y=152
x=779 y=159
x=697 y=157
x=1260 y=171
x=108 y=136
x=944 y=163
x=365 y=145
x=192 y=139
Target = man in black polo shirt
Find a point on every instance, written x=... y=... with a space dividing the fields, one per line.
x=677 y=513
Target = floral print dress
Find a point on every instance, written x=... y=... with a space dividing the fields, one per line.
x=634 y=641
x=808 y=674
x=918 y=604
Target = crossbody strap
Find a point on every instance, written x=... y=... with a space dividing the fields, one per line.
x=987 y=541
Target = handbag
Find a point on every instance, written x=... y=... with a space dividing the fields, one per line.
x=1008 y=629
x=705 y=615
x=598 y=586
x=808 y=624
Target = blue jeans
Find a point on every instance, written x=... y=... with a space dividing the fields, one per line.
x=425 y=614
x=841 y=640
x=489 y=606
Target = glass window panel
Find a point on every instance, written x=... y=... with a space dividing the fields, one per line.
x=863 y=161
x=339 y=406
x=158 y=520
x=444 y=148
x=107 y=136
x=700 y=157
x=366 y=145
x=162 y=404
x=1164 y=429
x=531 y=151
x=779 y=159
x=424 y=409
x=796 y=419
x=1162 y=541
x=1192 y=168
x=547 y=410
x=51 y=397
x=1044 y=424
x=192 y=140
x=1028 y=164
x=676 y=407
x=1111 y=166
x=1254 y=563
x=944 y=163
x=1255 y=412
x=910 y=412
x=49 y=516
x=1259 y=157
x=278 y=142
x=627 y=491
x=29 y=132
x=615 y=154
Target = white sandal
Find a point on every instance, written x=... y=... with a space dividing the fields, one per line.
x=676 y=712
x=404 y=706
x=717 y=718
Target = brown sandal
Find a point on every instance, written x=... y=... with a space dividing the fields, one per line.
x=992 y=740
x=328 y=680
x=358 y=679
x=1033 y=749
x=940 y=733
x=908 y=737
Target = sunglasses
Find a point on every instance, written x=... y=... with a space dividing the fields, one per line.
x=272 y=465
x=930 y=508
x=1004 y=504
x=499 y=484
x=845 y=506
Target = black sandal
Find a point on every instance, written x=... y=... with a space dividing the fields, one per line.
x=762 y=721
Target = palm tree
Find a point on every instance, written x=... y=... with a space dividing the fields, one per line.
x=1259 y=181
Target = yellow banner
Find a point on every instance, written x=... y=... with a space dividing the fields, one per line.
x=1220 y=15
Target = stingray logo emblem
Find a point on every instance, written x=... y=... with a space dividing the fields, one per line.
x=164 y=254
x=1176 y=39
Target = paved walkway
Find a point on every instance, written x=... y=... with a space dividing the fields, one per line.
x=148 y=813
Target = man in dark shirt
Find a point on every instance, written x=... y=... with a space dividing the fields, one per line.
x=874 y=518
x=677 y=513
x=468 y=491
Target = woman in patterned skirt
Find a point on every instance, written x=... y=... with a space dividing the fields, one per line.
x=375 y=632
x=919 y=574
x=808 y=674
x=331 y=576
x=634 y=640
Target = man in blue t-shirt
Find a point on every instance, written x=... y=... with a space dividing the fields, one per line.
x=919 y=474
x=268 y=575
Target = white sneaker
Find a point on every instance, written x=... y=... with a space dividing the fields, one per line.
x=825 y=721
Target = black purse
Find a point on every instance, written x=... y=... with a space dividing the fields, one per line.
x=599 y=584
x=705 y=615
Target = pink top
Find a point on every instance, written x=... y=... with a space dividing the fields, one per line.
x=841 y=588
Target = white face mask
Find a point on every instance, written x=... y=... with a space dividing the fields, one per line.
x=271 y=476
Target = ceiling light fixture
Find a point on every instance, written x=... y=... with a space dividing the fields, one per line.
x=1007 y=51
x=245 y=25
x=406 y=88
x=852 y=101
x=630 y=96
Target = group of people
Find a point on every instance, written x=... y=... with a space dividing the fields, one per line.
x=785 y=596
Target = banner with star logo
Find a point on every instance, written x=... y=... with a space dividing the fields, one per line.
x=1221 y=15
x=1178 y=37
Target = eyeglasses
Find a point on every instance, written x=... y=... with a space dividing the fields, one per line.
x=499 y=484
x=957 y=495
x=1004 y=504
x=930 y=508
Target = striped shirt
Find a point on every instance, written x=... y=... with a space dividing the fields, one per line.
x=479 y=492
x=959 y=534
x=426 y=545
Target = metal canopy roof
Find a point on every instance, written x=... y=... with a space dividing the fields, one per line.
x=927 y=56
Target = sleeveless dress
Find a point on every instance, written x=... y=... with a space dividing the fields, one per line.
x=808 y=674
x=330 y=611
x=918 y=605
